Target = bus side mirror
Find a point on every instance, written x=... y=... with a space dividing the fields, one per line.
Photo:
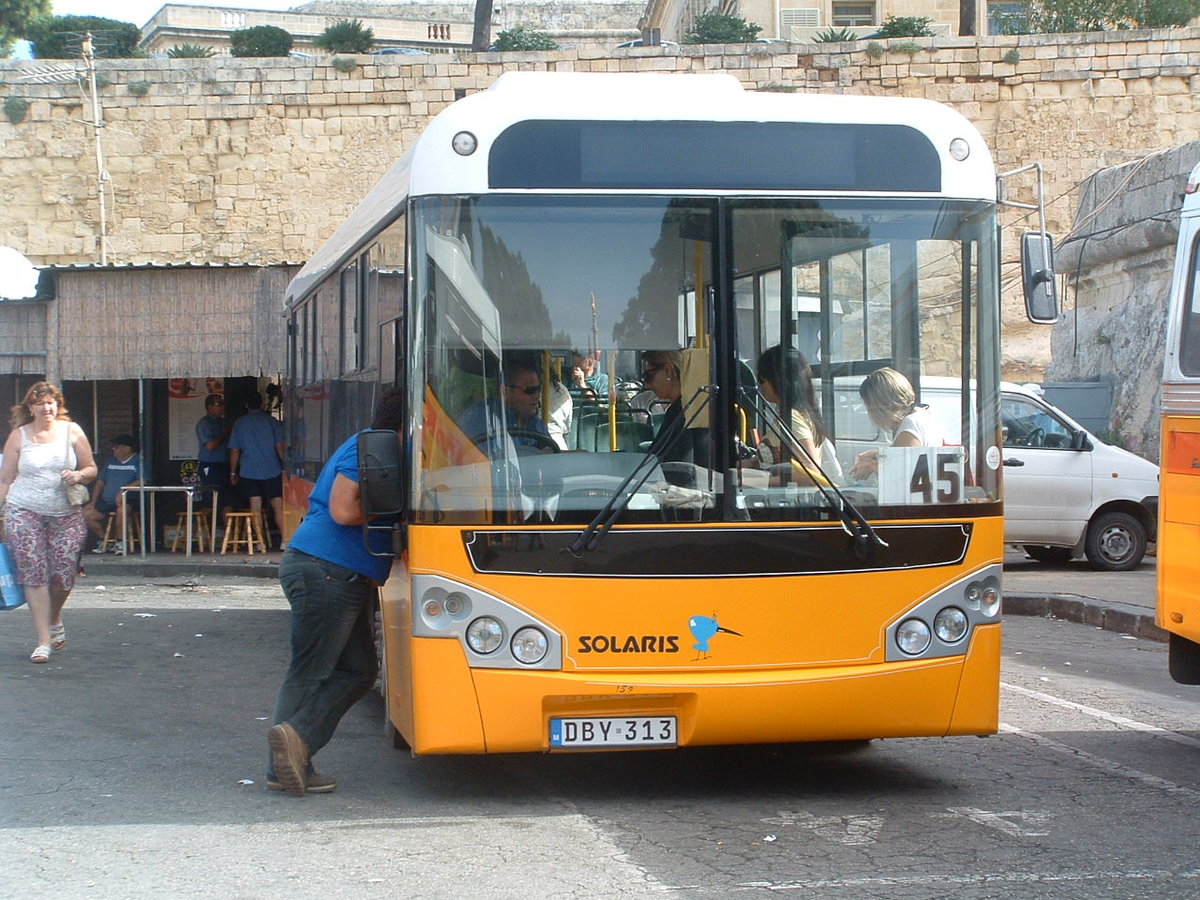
x=1037 y=277
x=380 y=484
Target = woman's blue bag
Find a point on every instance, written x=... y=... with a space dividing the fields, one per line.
x=12 y=594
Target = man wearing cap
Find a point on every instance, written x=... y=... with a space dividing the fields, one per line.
x=212 y=434
x=120 y=471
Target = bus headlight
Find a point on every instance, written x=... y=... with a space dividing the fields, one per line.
x=485 y=635
x=529 y=646
x=950 y=624
x=913 y=636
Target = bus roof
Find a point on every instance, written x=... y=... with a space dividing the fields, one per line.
x=432 y=166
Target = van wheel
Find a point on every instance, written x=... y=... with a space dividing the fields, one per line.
x=1116 y=542
x=1053 y=555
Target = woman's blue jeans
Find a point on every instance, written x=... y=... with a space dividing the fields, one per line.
x=333 y=648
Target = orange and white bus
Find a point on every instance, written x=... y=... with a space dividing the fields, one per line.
x=1179 y=489
x=572 y=582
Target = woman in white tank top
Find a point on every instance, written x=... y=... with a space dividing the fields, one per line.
x=42 y=530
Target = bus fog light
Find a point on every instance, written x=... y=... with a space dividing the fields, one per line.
x=529 y=645
x=913 y=637
x=457 y=605
x=950 y=625
x=485 y=634
x=973 y=595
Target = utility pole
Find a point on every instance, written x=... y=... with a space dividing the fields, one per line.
x=89 y=58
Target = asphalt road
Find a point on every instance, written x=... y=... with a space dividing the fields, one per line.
x=133 y=767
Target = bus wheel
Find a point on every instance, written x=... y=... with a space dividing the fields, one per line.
x=1116 y=542
x=1183 y=660
x=1053 y=555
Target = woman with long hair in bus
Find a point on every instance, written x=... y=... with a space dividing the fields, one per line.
x=785 y=380
x=43 y=530
x=892 y=405
x=330 y=579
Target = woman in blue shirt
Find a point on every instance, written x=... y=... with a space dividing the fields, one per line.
x=330 y=580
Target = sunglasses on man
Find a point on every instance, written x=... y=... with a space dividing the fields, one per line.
x=529 y=390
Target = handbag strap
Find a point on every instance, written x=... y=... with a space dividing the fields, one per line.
x=70 y=450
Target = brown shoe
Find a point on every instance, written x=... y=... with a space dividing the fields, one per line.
x=289 y=757
x=315 y=783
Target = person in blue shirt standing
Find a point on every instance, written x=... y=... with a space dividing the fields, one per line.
x=256 y=459
x=212 y=434
x=330 y=580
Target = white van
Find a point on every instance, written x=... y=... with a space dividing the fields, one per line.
x=1066 y=492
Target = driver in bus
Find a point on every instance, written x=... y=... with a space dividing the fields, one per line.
x=518 y=410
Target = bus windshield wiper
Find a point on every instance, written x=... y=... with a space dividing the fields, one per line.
x=590 y=537
x=854 y=523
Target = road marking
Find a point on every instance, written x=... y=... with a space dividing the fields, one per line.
x=1099 y=762
x=997 y=878
x=1112 y=718
x=1006 y=822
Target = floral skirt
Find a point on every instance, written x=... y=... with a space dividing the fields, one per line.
x=45 y=549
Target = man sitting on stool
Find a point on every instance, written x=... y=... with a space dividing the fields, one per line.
x=120 y=470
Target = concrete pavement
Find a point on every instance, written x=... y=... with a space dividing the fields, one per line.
x=1115 y=601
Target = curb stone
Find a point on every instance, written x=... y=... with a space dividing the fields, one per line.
x=1124 y=618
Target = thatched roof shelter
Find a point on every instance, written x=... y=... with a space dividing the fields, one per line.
x=118 y=322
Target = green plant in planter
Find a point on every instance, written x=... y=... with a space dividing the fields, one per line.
x=139 y=88
x=191 y=51
x=875 y=50
x=344 y=64
x=835 y=36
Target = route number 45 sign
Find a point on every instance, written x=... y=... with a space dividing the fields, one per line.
x=910 y=475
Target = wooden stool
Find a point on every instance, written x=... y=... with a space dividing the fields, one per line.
x=201 y=528
x=135 y=529
x=243 y=530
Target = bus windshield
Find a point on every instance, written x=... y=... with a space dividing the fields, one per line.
x=704 y=355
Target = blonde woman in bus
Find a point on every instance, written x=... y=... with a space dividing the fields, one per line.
x=892 y=405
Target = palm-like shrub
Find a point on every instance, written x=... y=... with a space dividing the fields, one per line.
x=190 y=51
x=346 y=36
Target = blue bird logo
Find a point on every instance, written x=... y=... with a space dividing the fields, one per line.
x=703 y=628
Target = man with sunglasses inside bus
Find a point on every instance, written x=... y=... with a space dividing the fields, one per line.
x=518 y=408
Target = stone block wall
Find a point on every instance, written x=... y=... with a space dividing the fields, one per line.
x=257 y=160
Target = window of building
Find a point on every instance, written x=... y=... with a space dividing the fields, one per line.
x=848 y=15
